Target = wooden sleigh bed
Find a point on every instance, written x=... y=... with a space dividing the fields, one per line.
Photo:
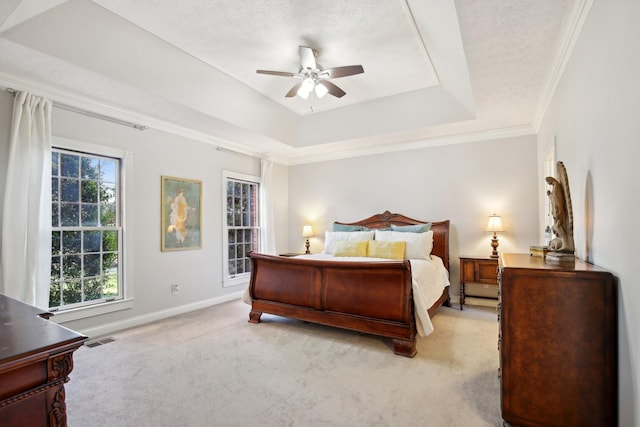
x=370 y=297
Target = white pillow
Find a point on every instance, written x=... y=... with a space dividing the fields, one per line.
x=330 y=237
x=419 y=245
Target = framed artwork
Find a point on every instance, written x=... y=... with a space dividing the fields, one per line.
x=181 y=214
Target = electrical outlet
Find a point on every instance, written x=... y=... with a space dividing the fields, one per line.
x=174 y=289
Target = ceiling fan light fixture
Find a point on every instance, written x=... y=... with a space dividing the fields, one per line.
x=306 y=88
x=321 y=90
x=314 y=77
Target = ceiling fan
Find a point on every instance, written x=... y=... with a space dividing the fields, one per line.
x=314 y=77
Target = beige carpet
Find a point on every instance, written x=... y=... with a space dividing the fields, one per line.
x=213 y=368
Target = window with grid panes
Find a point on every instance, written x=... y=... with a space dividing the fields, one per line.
x=86 y=229
x=241 y=226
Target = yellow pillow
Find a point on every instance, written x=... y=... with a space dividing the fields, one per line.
x=349 y=248
x=383 y=249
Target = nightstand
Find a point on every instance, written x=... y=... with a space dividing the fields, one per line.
x=478 y=269
x=290 y=254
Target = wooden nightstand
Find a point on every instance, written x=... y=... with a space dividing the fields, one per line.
x=477 y=269
x=290 y=254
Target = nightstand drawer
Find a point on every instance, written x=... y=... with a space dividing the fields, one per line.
x=486 y=272
x=478 y=271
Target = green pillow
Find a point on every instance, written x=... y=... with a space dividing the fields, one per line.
x=418 y=228
x=344 y=227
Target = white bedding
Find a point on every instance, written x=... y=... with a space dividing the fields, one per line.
x=428 y=279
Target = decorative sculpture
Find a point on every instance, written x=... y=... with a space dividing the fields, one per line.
x=561 y=248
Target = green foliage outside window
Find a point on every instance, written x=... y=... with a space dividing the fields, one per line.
x=85 y=236
x=242 y=225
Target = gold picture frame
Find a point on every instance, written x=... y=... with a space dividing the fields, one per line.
x=181 y=207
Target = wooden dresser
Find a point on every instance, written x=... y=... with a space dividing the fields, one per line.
x=558 y=343
x=36 y=357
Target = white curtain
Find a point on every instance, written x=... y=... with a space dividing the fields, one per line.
x=25 y=259
x=267 y=231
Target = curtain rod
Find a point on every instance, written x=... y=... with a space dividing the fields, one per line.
x=237 y=153
x=90 y=113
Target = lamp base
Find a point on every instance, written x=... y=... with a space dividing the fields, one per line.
x=494 y=245
x=306 y=245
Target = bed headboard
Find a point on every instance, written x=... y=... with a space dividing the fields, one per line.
x=385 y=219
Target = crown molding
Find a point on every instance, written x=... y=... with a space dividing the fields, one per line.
x=291 y=158
x=567 y=38
x=461 y=138
x=84 y=102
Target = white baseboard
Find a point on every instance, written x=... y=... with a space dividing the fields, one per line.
x=112 y=327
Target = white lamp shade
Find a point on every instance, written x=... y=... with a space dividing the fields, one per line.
x=303 y=94
x=495 y=223
x=307 y=231
x=321 y=90
x=305 y=89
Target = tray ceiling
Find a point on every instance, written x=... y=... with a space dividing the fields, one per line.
x=433 y=69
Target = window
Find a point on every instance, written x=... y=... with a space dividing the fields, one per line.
x=87 y=234
x=241 y=226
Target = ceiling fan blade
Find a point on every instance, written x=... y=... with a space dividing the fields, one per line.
x=276 y=73
x=294 y=90
x=333 y=89
x=348 y=70
x=307 y=58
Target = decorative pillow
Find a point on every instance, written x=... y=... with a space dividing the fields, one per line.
x=344 y=227
x=418 y=228
x=331 y=237
x=419 y=245
x=382 y=249
x=347 y=248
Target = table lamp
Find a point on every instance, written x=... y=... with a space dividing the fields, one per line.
x=307 y=232
x=494 y=224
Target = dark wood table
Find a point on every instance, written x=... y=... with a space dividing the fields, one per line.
x=36 y=357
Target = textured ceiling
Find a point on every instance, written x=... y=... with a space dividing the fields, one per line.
x=237 y=37
x=432 y=69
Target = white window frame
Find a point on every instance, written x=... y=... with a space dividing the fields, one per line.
x=227 y=279
x=126 y=244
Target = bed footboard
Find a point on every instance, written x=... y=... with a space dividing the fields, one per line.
x=370 y=297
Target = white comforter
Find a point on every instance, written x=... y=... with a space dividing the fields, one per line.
x=428 y=279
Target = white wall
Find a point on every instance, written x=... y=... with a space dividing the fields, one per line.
x=594 y=119
x=155 y=153
x=464 y=183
